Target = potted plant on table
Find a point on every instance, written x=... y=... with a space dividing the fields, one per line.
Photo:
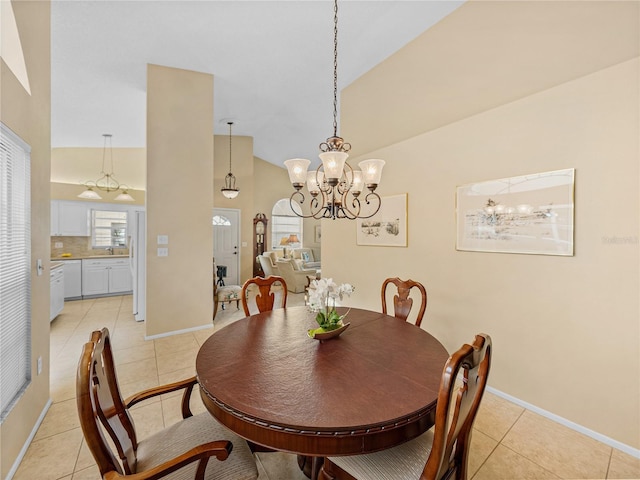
x=323 y=294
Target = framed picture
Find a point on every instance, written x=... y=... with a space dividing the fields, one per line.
x=526 y=214
x=388 y=227
x=317 y=233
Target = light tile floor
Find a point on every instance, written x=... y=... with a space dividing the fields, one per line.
x=509 y=442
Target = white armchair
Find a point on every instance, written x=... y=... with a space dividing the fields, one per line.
x=297 y=280
x=268 y=265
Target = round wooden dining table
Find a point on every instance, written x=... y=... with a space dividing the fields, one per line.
x=373 y=387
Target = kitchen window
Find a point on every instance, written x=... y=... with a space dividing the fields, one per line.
x=15 y=269
x=108 y=229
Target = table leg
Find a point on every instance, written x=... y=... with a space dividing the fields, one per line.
x=310 y=466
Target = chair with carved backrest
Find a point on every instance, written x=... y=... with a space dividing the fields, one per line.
x=180 y=451
x=441 y=452
x=402 y=303
x=267 y=290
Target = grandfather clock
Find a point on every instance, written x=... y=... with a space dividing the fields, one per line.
x=259 y=242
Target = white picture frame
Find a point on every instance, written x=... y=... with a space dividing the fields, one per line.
x=530 y=214
x=388 y=227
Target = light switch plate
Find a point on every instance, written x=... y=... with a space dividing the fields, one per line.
x=163 y=252
x=163 y=239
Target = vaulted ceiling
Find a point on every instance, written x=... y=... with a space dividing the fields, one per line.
x=272 y=63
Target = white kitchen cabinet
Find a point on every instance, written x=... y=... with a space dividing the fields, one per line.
x=106 y=276
x=70 y=219
x=120 y=279
x=72 y=279
x=56 y=296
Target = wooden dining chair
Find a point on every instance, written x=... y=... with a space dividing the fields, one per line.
x=402 y=303
x=441 y=452
x=265 y=297
x=180 y=451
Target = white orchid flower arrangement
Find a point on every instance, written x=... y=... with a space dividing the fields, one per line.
x=323 y=294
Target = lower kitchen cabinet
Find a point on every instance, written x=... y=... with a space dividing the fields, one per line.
x=106 y=276
x=56 y=296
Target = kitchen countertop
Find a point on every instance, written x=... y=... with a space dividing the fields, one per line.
x=80 y=257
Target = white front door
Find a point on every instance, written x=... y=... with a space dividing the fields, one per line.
x=226 y=239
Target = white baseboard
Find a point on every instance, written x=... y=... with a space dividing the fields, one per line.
x=25 y=447
x=634 y=452
x=177 y=332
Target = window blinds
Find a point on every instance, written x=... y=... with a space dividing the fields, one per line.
x=15 y=271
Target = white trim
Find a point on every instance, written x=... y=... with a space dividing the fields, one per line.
x=634 y=452
x=177 y=332
x=27 y=443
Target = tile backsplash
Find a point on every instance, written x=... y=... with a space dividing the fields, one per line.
x=79 y=247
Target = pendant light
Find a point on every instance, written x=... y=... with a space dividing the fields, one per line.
x=106 y=182
x=335 y=187
x=230 y=191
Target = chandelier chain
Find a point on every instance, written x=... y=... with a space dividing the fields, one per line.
x=104 y=153
x=335 y=68
x=335 y=187
x=230 y=124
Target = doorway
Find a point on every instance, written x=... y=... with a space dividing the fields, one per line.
x=226 y=236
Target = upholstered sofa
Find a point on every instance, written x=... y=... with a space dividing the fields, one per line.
x=305 y=258
x=297 y=279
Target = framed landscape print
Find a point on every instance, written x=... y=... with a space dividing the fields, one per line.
x=526 y=214
x=388 y=227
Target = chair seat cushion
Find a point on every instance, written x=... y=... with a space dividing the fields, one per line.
x=189 y=433
x=229 y=293
x=397 y=463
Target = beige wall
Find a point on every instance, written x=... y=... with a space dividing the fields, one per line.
x=179 y=198
x=30 y=118
x=565 y=329
x=77 y=165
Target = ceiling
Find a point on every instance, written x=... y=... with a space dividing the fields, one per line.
x=272 y=63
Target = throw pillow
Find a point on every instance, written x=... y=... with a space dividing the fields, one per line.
x=305 y=256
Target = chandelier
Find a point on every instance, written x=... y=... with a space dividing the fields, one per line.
x=230 y=190
x=334 y=186
x=106 y=182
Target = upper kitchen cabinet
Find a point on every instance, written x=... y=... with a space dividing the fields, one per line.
x=70 y=219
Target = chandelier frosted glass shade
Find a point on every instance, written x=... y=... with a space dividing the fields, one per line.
x=297 y=168
x=371 y=171
x=124 y=197
x=333 y=164
x=90 y=194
